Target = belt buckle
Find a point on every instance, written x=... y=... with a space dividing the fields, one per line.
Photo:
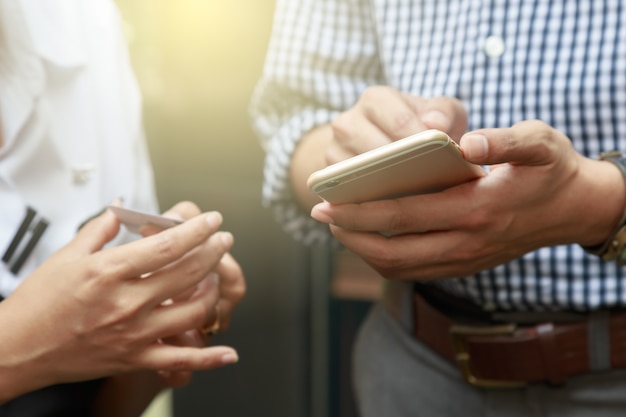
x=459 y=335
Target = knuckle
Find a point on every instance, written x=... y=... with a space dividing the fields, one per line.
x=186 y=209
x=188 y=205
x=237 y=292
x=400 y=220
x=342 y=124
x=194 y=266
x=467 y=254
x=402 y=122
x=165 y=245
x=241 y=290
x=546 y=142
x=179 y=362
x=478 y=219
x=457 y=104
x=375 y=93
x=123 y=310
x=443 y=103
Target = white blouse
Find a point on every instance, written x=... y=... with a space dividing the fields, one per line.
x=70 y=112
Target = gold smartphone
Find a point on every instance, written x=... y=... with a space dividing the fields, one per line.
x=426 y=162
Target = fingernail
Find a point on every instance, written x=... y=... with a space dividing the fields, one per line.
x=214 y=219
x=436 y=119
x=229 y=358
x=475 y=146
x=227 y=238
x=320 y=213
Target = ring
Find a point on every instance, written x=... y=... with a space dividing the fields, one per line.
x=213 y=328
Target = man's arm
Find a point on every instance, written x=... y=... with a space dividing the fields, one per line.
x=539 y=192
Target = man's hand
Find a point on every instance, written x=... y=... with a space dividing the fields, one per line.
x=384 y=115
x=381 y=115
x=539 y=192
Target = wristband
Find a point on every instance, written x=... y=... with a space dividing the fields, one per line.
x=614 y=248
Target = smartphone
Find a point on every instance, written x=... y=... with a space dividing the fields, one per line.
x=133 y=220
x=426 y=162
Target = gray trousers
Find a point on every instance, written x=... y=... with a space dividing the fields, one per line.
x=397 y=376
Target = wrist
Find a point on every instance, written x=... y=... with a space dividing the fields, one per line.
x=20 y=371
x=307 y=158
x=611 y=246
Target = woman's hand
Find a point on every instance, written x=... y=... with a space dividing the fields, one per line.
x=89 y=312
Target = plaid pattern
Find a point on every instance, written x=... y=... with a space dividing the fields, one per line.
x=564 y=62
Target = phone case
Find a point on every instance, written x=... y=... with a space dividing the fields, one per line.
x=426 y=162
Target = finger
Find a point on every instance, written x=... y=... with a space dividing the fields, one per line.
x=149 y=254
x=188 y=338
x=183 y=275
x=443 y=113
x=391 y=111
x=175 y=318
x=163 y=357
x=210 y=290
x=190 y=292
x=95 y=233
x=232 y=288
x=183 y=210
x=526 y=143
x=175 y=379
x=416 y=256
x=353 y=135
x=444 y=210
x=212 y=321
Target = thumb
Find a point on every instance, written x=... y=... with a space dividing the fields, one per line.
x=96 y=233
x=522 y=144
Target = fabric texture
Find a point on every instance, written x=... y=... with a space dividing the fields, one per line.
x=559 y=61
x=563 y=62
x=71 y=118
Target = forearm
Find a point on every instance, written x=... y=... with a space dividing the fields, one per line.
x=21 y=370
x=12 y=385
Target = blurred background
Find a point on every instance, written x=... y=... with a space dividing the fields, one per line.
x=197 y=62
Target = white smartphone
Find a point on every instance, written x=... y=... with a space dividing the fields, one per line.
x=133 y=220
x=426 y=162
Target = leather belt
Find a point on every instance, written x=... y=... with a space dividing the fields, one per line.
x=510 y=354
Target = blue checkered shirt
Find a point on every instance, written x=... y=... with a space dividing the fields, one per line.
x=561 y=61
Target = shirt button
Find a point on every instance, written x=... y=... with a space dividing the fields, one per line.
x=494 y=46
x=81 y=174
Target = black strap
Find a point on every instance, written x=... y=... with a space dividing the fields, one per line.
x=37 y=231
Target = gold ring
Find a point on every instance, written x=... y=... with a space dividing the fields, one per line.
x=211 y=329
